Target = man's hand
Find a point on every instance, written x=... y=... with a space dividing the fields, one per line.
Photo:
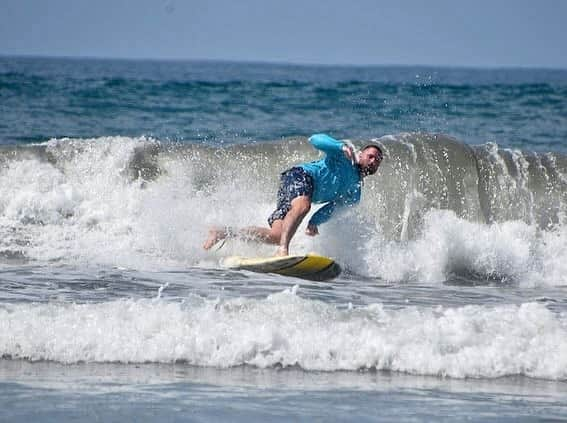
x=312 y=230
x=350 y=153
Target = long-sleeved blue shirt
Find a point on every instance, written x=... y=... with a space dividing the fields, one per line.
x=336 y=180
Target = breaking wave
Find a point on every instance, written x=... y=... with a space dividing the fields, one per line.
x=437 y=206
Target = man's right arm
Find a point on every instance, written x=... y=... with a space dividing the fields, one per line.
x=332 y=146
x=326 y=143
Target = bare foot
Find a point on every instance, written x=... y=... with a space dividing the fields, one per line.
x=282 y=252
x=215 y=235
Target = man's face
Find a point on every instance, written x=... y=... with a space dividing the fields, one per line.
x=369 y=160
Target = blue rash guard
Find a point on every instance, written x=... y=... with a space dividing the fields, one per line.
x=336 y=181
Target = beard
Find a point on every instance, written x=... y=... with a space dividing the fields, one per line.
x=366 y=170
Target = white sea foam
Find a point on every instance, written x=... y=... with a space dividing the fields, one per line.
x=451 y=245
x=89 y=207
x=287 y=330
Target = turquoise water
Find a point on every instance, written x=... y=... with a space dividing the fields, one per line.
x=452 y=304
x=230 y=102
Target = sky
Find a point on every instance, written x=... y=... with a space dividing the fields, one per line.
x=478 y=33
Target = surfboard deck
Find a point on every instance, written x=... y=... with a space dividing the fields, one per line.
x=309 y=266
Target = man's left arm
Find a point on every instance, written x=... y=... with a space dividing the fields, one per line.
x=324 y=213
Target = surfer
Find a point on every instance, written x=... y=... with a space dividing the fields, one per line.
x=335 y=180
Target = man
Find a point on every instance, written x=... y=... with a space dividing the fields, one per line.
x=336 y=180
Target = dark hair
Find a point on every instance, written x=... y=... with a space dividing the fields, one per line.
x=377 y=147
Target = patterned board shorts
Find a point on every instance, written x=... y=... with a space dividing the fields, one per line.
x=293 y=183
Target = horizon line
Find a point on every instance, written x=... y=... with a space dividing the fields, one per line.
x=280 y=63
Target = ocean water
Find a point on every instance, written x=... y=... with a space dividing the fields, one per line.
x=453 y=300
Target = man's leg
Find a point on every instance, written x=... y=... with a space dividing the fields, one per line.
x=281 y=232
x=268 y=235
x=300 y=206
x=293 y=194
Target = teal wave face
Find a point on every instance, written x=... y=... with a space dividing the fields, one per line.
x=238 y=103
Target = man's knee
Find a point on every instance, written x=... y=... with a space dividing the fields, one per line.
x=276 y=232
x=301 y=205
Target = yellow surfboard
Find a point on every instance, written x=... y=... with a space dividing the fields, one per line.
x=309 y=266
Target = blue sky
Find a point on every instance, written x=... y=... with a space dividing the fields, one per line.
x=439 y=32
